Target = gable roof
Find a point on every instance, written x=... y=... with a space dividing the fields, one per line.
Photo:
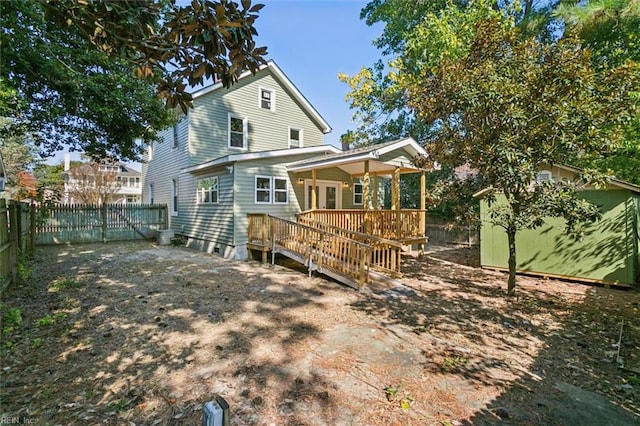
x=286 y=82
x=280 y=153
x=614 y=182
x=351 y=161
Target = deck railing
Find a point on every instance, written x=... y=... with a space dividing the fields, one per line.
x=397 y=225
x=326 y=252
x=385 y=255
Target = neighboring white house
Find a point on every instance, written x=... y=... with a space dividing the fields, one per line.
x=101 y=183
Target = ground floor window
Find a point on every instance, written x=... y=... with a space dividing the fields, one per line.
x=207 y=190
x=269 y=189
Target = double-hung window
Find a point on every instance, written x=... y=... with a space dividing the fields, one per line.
x=174 y=197
x=267 y=99
x=237 y=132
x=358 y=195
x=295 y=138
x=271 y=190
x=207 y=190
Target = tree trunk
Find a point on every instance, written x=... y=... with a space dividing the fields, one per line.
x=511 y=284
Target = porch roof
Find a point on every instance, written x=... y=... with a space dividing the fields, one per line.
x=383 y=159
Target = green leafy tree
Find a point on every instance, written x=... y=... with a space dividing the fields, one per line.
x=611 y=30
x=105 y=76
x=50 y=186
x=508 y=106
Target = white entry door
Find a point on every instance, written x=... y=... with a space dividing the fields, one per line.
x=328 y=193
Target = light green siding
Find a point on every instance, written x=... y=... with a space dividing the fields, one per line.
x=607 y=253
x=267 y=130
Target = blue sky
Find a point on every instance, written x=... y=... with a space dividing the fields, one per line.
x=312 y=41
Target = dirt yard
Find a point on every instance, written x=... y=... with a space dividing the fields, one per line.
x=138 y=334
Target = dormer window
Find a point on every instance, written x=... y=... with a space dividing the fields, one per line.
x=267 y=99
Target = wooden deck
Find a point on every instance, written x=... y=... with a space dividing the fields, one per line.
x=345 y=253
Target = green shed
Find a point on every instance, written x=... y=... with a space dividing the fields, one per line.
x=608 y=253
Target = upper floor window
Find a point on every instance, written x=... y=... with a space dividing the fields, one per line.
x=237 y=132
x=175 y=135
x=295 y=138
x=358 y=193
x=267 y=99
x=208 y=190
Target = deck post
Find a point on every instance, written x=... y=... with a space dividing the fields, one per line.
x=423 y=197
x=366 y=188
x=375 y=191
x=264 y=238
x=395 y=203
x=314 y=195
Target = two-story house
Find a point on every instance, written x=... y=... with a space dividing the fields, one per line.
x=256 y=147
x=101 y=183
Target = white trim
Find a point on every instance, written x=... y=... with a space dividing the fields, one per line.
x=322 y=184
x=339 y=160
x=277 y=72
x=217 y=191
x=262 y=155
x=300 y=136
x=361 y=193
x=276 y=190
x=255 y=189
x=245 y=133
x=272 y=99
x=174 y=197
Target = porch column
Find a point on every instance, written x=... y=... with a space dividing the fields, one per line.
x=395 y=190
x=375 y=191
x=314 y=195
x=367 y=197
x=395 y=201
x=366 y=186
x=423 y=196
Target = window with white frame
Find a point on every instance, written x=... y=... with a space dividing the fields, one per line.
x=358 y=194
x=175 y=135
x=237 y=132
x=271 y=190
x=263 y=189
x=295 y=137
x=207 y=190
x=267 y=99
x=174 y=197
x=280 y=191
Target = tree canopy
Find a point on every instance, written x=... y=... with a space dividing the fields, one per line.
x=105 y=76
x=492 y=86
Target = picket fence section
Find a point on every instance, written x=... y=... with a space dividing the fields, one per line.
x=90 y=223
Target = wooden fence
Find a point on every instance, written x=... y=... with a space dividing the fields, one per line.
x=90 y=223
x=17 y=239
x=441 y=231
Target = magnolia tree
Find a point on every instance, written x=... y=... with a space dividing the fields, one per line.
x=510 y=105
x=105 y=76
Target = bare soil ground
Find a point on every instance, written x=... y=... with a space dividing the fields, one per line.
x=138 y=334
